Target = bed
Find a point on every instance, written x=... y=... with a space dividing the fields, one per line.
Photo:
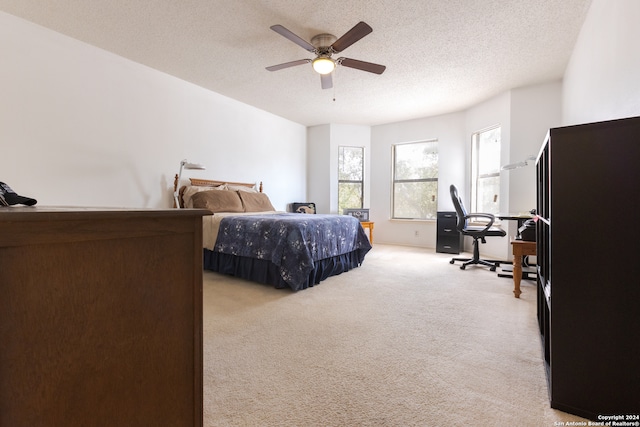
x=246 y=237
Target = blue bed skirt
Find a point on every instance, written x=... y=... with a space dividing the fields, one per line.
x=265 y=272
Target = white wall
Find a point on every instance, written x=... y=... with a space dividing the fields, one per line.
x=80 y=126
x=493 y=112
x=449 y=131
x=322 y=147
x=524 y=114
x=319 y=167
x=534 y=109
x=601 y=81
x=453 y=132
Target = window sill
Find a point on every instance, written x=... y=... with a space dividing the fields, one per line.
x=411 y=220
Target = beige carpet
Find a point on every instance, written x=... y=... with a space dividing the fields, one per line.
x=405 y=340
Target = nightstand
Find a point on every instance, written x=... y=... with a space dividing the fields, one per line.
x=368 y=225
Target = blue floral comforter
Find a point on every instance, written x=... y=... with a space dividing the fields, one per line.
x=292 y=241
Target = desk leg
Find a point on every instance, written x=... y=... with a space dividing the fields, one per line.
x=517 y=274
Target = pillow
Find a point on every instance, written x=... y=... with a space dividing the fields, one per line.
x=255 y=202
x=218 y=201
x=190 y=190
x=240 y=188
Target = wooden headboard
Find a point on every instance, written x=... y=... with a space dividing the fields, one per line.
x=197 y=182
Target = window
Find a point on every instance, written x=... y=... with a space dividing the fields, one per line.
x=350 y=178
x=415 y=180
x=485 y=171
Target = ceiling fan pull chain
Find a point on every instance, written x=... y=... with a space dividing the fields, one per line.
x=335 y=73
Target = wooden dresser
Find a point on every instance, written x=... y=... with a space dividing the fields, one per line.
x=100 y=317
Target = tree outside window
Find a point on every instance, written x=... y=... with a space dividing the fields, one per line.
x=350 y=178
x=415 y=180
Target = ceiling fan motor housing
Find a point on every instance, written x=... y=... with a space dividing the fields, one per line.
x=323 y=42
x=323 y=64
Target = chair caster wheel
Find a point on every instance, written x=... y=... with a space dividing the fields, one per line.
x=462 y=267
x=493 y=268
x=451 y=262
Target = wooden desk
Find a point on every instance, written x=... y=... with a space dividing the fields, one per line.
x=520 y=249
x=369 y=225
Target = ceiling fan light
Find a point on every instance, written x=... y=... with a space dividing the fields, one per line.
x=323 y=65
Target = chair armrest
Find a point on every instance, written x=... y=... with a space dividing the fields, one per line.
x=488 y=216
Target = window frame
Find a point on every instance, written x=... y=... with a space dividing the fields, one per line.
x=350 y=181
x=475 y=167
x=395 y=181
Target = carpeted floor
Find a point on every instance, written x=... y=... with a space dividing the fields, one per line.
x=407 y=339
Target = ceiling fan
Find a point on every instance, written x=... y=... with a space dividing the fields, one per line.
x=325 y=45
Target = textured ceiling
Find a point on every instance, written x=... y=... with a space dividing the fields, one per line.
x=441 y=55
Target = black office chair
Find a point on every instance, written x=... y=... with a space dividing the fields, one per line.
x=477 y=232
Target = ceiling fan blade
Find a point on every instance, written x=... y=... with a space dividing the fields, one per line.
x=288 y=64
x=326 y=80
x=360 y=30
x=362 y=65
x=294 y=38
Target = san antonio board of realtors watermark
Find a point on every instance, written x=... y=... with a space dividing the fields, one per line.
x=605 y=420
